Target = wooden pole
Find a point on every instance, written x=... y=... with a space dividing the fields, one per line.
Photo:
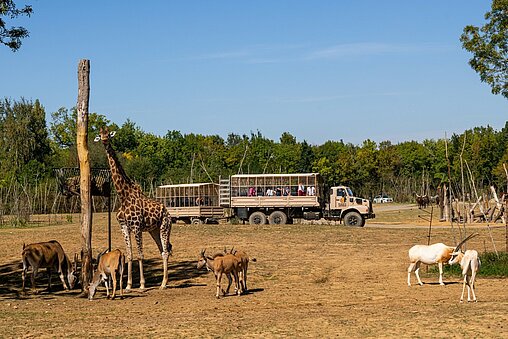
x=84 y=171
x=506 y=210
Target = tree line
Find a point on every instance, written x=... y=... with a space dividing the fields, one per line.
x=30 y=149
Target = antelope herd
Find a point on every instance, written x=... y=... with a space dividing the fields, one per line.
x=233 y=264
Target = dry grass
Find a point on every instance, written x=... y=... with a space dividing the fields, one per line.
x=308 y=281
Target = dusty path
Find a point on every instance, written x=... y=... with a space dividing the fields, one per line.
x=309 y=281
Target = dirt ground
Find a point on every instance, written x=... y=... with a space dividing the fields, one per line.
x=308 y=281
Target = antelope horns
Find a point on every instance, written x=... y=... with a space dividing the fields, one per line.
x=463 y=241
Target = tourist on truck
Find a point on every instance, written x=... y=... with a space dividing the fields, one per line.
x=301 y=189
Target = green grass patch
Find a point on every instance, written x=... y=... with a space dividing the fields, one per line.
x=491 y=266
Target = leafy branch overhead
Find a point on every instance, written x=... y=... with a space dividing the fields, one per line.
x=11 y=36
x=489 y=46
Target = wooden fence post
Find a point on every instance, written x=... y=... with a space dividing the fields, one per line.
x=84 y=171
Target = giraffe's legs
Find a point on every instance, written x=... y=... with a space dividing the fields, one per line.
x=138 y=234
x=128 y=247
x=165 y=232
x=129 y=274
x=162 y=242
x=141 y=275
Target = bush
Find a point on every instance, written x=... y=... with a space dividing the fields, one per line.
x=491 y=266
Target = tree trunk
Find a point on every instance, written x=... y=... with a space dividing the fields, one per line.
x=84 y=171
x=441 y=194
x=498 y=205
x=446 y=205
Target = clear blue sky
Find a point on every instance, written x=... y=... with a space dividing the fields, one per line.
x=320 y=70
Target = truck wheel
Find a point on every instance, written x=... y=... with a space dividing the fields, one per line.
x=277 y=218
x=197 y=221
x=353 y=219
x=257 y=218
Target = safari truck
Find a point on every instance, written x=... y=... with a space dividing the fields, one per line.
x=191 y=203
x=282 y=198
x=262 y=198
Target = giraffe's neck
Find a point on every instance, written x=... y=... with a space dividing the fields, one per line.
x=124 y=185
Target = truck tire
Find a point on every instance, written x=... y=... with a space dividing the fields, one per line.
x=196 y=221
x=277 y=218
x=257 y=218
x=353 y=219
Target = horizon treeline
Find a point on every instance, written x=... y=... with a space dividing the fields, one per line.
x=30 y=149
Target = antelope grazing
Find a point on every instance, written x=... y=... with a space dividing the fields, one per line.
x=470 y=264
x=430 y=254
x=49 y=255
x=108 y=263
x=222 y=264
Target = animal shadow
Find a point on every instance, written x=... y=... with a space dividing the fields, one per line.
x=180 y=276
x=445 y=282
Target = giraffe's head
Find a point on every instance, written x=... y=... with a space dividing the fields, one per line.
x=104 y=135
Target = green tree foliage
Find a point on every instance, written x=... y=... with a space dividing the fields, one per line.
x=366 y=168
x=24 y=143
x=11 y=36
x=328 y=161
x=127 y=137
x=489 y=46
x=63 y=133
x=481 y=152
x=285 y=156
x=63 y=126
x=399 y=169
x=306 y=158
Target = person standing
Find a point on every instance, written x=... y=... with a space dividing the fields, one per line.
x=301 y=189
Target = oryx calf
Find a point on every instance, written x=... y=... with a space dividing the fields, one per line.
x=109 y=263
x=470 y=264
x=49 y=255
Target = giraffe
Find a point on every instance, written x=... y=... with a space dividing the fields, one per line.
x=137 y=214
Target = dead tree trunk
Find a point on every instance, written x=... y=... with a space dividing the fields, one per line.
x=441 y=196
x=84 y=171
x=499 y=206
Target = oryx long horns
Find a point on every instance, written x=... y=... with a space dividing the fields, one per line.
x=463 y=241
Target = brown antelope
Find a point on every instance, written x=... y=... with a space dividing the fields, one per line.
x=49 y=255
x=108 y=263
x=244 y=258
x=221 y=264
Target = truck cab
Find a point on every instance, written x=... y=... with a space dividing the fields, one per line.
x=343 y=205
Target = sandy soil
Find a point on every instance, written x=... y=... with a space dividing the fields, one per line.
x=308 y=281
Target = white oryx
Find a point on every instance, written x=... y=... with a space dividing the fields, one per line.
x=470 y=264
x=430 y=254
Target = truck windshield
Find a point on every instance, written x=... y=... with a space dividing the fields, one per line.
x=349 y=192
